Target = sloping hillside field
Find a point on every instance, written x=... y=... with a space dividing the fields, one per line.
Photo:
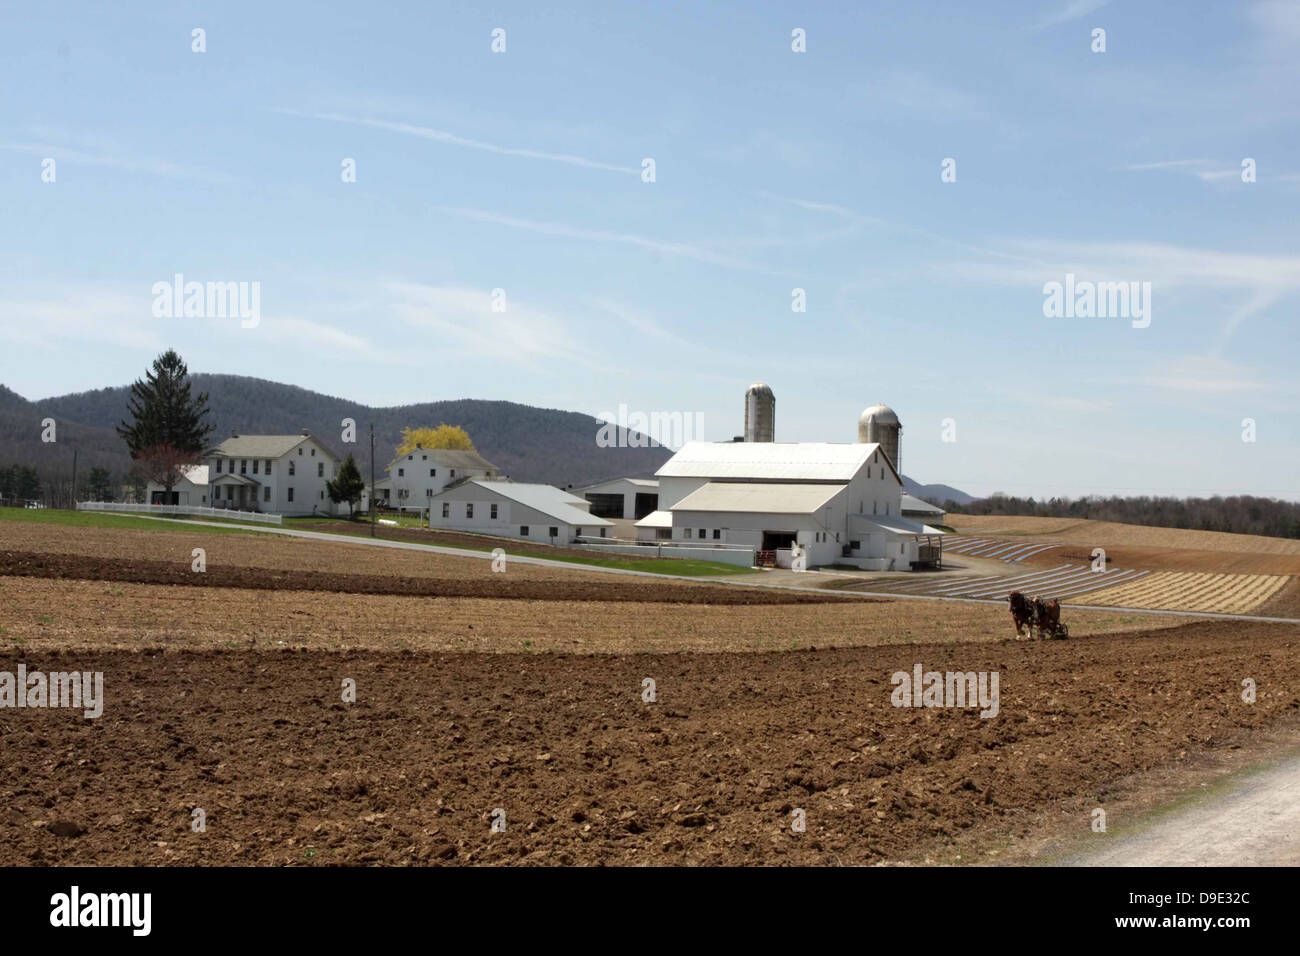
x=326 y=708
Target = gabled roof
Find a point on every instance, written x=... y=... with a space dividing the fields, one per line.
x=639 y=482
x=759 y=497
x=195 y=474
x=447 y=457
x=260 y=446
x=911 y=504
x=771 y=461
x=547 y=499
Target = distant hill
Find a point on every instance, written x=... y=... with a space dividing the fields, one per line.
x=528 y=444
x=936 y=493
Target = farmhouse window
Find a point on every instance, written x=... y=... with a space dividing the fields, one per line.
x=320 y=469
x=868 y=471
x=428 y=492
x=267 y=469
x=291 y=494
x=433 y=472
x=717 y=533
x=322 y=496
x=446 y=509
x=555 y=532
x=243 y=466
x=291 y=468
x=494 y=513
x=254 y=466
x=313 y=452
x=218 y=466
x=873 y=507
x=686 y=532
x=401 y=473
x=266 y=493
x=299 y=451
x=702 y=532
x=469 y=510
x=453 y=472
x=523 y=531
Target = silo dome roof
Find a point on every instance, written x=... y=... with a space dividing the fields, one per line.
x=880 y=414
x=759 y=387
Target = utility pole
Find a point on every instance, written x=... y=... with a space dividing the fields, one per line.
x=373 y=493
x=74 y=478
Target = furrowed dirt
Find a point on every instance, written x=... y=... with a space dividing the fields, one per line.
x=486 y=585
x=586 y=772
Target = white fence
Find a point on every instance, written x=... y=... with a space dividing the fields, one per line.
x=724 y=553
x=179 y=510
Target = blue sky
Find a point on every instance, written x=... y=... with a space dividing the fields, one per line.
x=775 y=170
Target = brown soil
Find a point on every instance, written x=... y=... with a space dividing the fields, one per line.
x=1112 y=534
x=1168 y=559
x=588 y=773
x=173 y=543
x=488 y=584
x=45 y=614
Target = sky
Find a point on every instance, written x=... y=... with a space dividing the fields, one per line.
x=920 y=170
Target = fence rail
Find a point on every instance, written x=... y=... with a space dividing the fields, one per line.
x=196 y=510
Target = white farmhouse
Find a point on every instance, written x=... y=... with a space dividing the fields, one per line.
x=192 y=489
x=414 y=478
x=835 y=503
x=280 y=474
x=516 y=510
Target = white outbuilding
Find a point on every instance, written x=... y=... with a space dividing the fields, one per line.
x=627 y=498
x=512 y=509
x=191 y=490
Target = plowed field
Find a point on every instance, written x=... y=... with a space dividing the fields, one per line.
x=584 y=771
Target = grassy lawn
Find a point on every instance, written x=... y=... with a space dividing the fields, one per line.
x=103 y=519
x=686 y=567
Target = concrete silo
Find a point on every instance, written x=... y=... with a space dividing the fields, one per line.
x=880 y=424
x=760 y=413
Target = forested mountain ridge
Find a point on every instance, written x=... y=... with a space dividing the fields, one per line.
x=527 y=443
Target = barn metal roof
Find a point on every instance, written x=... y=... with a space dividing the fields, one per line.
x=547 y=499
x=773 y=461
x=656 y=519
x=911 y=504
x=891 y=524
x=759 y=497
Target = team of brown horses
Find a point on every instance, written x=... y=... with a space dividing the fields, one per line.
x=1042 y=618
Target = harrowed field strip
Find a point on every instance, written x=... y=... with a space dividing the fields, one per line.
x=878 y=591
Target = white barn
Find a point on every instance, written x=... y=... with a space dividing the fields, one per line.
x=515 y=510
x=838 y=503
x=627 y=498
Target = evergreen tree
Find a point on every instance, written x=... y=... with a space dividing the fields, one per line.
x=348 y=486
x=167 y=421
x=100 y=483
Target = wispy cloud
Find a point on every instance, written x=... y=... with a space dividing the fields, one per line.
x=133 y=164
x=1204 y=169
x=1071 y=11
x=453 y=139
x=466 y=326
x=1264 y=279
x=686 y=250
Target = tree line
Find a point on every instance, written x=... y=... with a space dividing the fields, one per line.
x=1238 y=514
